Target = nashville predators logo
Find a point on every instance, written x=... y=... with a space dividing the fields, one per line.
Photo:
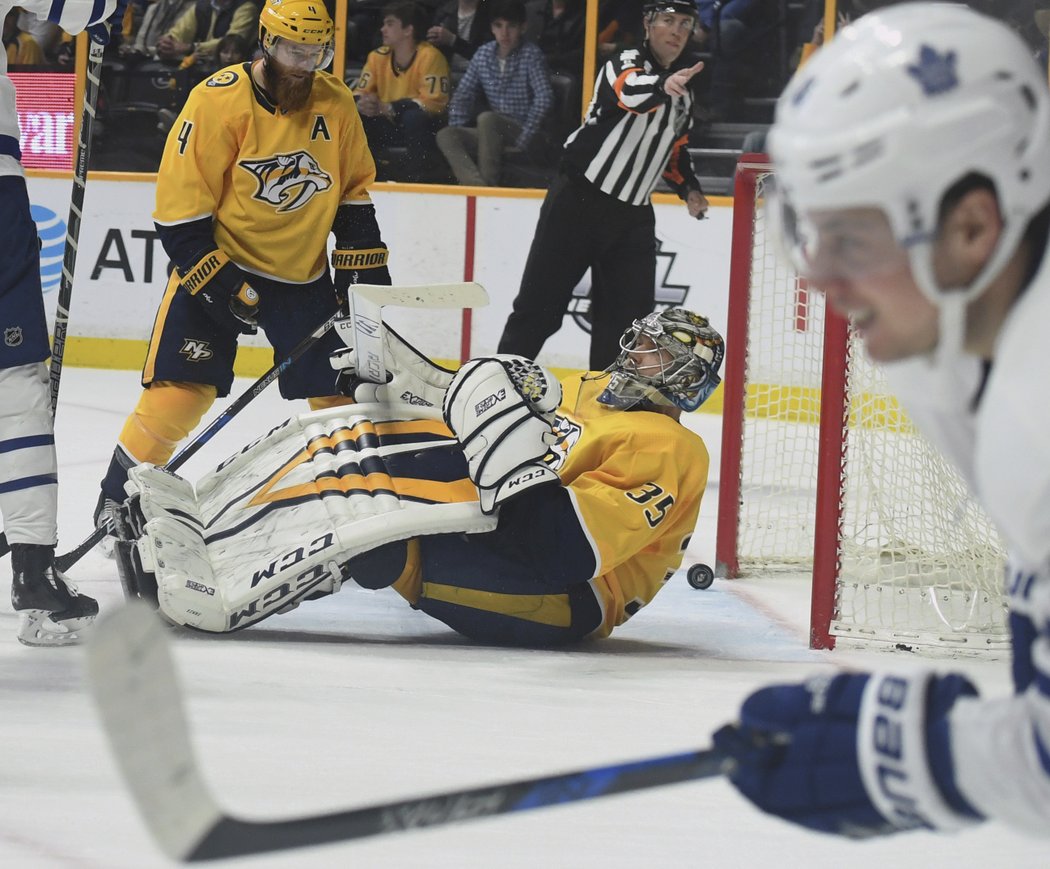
x=288 y=181
x=567 y=434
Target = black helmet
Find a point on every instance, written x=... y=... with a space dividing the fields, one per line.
x=682 y=7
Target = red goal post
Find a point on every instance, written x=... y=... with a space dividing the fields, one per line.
x=822 y=472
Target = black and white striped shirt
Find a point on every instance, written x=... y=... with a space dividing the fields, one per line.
x=634 y=132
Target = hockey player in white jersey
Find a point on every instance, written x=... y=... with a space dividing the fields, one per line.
x=912 y=159
x=53 y=613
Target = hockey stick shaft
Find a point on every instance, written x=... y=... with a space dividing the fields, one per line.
x=69 y=254
x=454 y=295
x=68 y=559
x=135 y=686
x=76 y=207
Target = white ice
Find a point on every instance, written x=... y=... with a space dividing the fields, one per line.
x=357 y=699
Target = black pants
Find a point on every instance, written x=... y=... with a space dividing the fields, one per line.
x=579 y=228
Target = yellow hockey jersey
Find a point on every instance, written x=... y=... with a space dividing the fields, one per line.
x=272 y=182
x=637 y=479
x=426 y=80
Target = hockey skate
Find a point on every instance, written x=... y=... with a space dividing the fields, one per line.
x=53 y=613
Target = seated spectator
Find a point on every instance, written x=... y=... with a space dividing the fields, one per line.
x=619 y=26
x=233 y=48
x=46 y=33
x=195 y=36
x=460 y=28
x=512 y=75
x=21 y=48
x=159 y=18
x=561 y=36
x=402 y=94
x=728 y=28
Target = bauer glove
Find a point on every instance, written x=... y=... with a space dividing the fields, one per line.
x=855 y=754
x=222 y=290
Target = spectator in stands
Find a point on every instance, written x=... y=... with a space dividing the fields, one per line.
x=402 y=94
x=561 y=36
x=460 y=28
x=619 y=26
x=727 y=29
x=512 y=75
x=159 y=18
x=195 y=36
x=233 y=48
x=47 y=34
x=21 y=48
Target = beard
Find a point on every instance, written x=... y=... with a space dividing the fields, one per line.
x=290 y=90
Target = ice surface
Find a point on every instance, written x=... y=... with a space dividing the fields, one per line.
x=357 y=698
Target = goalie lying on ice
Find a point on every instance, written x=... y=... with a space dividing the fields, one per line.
x=507 y=515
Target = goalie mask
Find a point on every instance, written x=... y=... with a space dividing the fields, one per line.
x=669 y=358
x=297 y=33
x=885 y=120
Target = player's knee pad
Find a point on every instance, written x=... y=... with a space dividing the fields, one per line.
x=166 y=413
x=501 y=408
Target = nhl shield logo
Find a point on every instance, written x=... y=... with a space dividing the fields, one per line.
x=13 y=336
x=288 y=181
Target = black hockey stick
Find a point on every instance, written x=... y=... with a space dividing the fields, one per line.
x=76 y=207
x=68 y=559
x=454 y=295
x=133 y=680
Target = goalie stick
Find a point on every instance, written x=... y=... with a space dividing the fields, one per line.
x=76 y=207
x=132 y=678
x=455 y=295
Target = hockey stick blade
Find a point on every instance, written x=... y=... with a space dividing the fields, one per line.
x=132 y=677
x=463 y=295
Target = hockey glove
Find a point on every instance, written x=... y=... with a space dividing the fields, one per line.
x=416 y=380
x=103 y=31
x=855 y=754
x=221 y=288
x=502 y=409
x=361 y=263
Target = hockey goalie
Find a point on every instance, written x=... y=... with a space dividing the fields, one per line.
x=514 y=508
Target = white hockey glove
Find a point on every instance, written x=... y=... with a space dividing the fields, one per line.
x=416 y=380
x=502 y=408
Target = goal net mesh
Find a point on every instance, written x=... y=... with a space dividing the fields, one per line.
x=918 y=562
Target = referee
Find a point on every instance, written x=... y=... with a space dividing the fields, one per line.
x=597 y=213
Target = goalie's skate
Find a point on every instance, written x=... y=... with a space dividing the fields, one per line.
x=53 y=613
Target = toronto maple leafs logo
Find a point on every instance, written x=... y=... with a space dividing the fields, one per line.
x=288 y=181
x=935 y=72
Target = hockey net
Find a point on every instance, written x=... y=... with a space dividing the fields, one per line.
x=822 y=471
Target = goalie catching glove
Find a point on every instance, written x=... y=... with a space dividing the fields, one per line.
x=221 y=288
x=502 y=408
x=415 y=381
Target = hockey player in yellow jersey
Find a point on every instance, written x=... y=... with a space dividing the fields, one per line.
x=524 y=512
x=403 y=94
x=266 y=159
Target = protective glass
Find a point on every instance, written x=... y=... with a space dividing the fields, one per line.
x=295 y=55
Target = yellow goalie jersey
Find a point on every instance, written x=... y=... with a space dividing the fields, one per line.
x=426 y=80
x=271 y=182
x=637 y=479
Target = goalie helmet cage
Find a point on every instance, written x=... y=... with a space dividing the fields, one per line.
x=821 y=470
